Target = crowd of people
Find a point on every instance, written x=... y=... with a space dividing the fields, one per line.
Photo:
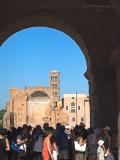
x=26 y=143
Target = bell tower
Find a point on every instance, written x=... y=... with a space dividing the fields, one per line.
x=54 y=83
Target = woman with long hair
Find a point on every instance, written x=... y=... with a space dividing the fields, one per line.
x=47 y=147
x=54 y=146
x=80 y=133
x=107 y=144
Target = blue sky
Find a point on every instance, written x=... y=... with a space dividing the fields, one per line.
x=27 y=57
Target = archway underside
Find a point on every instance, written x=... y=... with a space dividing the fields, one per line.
x=97 y=34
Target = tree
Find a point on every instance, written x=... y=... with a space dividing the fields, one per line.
x=1 y=124
x=2 y=112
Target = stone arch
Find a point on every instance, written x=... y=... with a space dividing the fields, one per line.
x=8 y=120
x=45 y=19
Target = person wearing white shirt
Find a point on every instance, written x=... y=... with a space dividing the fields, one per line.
x=38 y=144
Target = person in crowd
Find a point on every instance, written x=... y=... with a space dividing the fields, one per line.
x=62 y=140
x=58 y=126
x=22 y=142
x=54 y=146
x=101 y=150
x=13 y=144
x=38 y=144
x=92 y=145
x=97 y=129
x=29 y=131
x=47 y=147
x=8 y=136
x=102 y=135
x=107 y=143
x=4 y=145
x=30 y=145
x=73 y=137
x=81 y=141
x=19 y=130
x=91 y=138
x=45 y=128
x=82 y=125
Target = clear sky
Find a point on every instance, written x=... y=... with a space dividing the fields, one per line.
x=27 y=57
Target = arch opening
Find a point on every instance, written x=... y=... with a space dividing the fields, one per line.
x=50 y=22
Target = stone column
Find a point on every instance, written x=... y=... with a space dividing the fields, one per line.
x=115 y=58
x=92 y=95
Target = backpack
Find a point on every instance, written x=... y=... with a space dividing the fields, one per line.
x=14 y=147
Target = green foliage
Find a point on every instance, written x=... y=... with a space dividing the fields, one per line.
x=1 y=124
x=2 y=112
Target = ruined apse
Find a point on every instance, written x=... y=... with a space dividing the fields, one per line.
x=33 y=105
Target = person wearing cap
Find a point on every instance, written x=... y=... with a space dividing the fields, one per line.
x=82 y=125
x=101 y=150
x=107 y=143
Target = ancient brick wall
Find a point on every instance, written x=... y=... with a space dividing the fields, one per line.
x=19 y=109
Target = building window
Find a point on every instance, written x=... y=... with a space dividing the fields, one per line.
x=55 y=93
x=55 y=85
x=73 y=119
x=56 y=79
x=72 y=97
x=78 y=107
x=66 y=107
x=82 y=119
x=72 y=107
x=52 y=78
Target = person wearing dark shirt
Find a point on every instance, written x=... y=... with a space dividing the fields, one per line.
x=4 y=145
